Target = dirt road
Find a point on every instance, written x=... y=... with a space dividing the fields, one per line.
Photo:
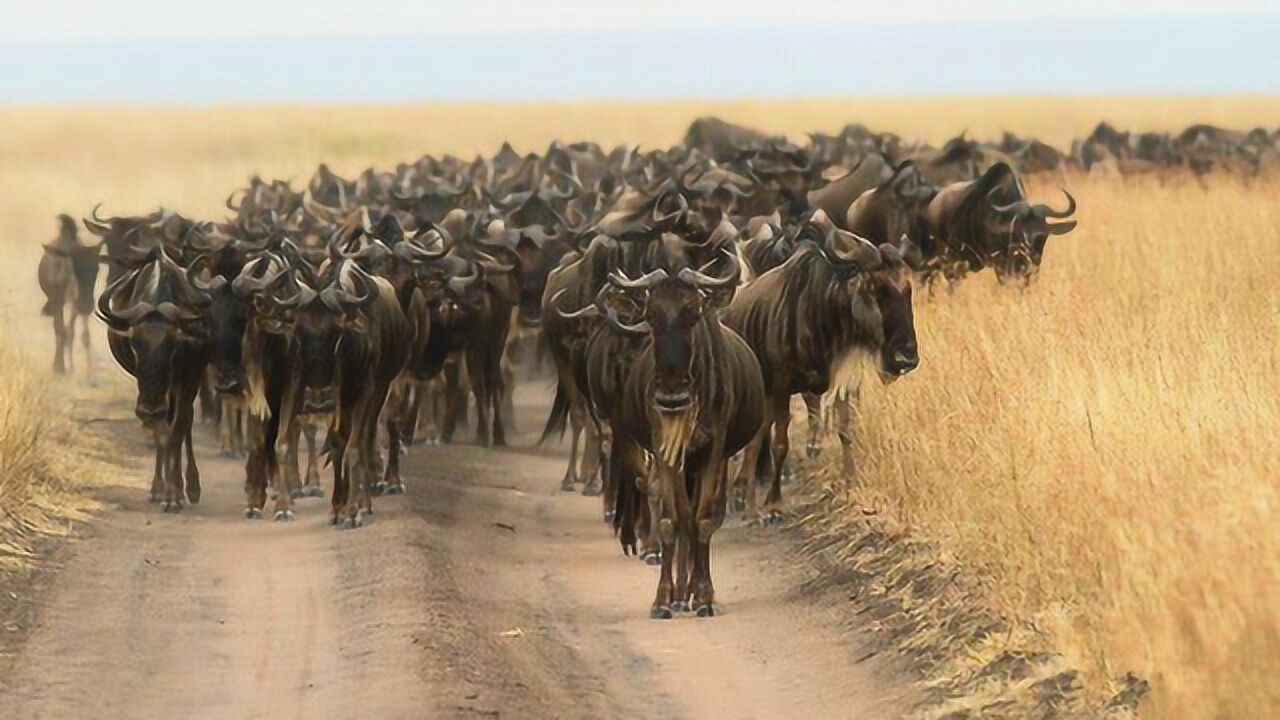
x=485 y=592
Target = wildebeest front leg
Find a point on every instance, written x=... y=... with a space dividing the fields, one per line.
x=781 y=445
x=193 y=472
x=570 y=479
x=481 y=391
x=255 y=471
x=709 y=514
x=158 y=438
x=84 y=341
x=844 y=410
x=661 y=486
x=59 y=341
x=312 y=487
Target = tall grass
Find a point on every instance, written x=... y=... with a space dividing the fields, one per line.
x=1102 y=449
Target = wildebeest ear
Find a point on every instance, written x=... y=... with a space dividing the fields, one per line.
x=1061 y=228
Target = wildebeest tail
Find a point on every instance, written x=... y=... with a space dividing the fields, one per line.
x=559 y=415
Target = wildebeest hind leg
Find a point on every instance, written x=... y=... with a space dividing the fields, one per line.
x=813 y=409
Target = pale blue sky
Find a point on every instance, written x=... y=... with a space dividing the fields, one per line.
x=168 y=51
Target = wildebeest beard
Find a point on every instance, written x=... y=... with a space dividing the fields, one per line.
x=675 y=430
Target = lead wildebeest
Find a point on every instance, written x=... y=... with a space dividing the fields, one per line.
x=693 y=397
x=67 y=273
x=989 y=221
x=837 y=297
x=158 y=334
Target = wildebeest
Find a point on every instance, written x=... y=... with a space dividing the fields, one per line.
x=353 y=343
x=67 y=274
x=808 y=319
x=693 y=398
x=158 y=334
x=989 y=222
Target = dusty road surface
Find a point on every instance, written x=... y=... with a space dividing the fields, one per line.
x=484 y=593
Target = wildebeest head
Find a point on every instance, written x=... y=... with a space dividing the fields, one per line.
x=675 y=303
x=319 y=320
x=159 y=312
x=878 y=284
x=1026 y=229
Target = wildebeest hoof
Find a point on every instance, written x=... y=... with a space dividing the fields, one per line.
x=296 y=493
x=788 y=474
x=679 y=606
x=253 y=513
x=335 y=520
x=352 y=523
x=651 y=558
x=737 y=505
x=813 y=451
x=567 y=485
x=378 y=488
x=773 y=518
x=193 y=497
x=313 y=491
x=609 y=515
x=173 y=507
x=155 y=498
x=284 y=515
x=591 y=489
x=660 y=612
x=705 y=611
x=395 y=489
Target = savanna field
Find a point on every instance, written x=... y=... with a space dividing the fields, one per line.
x=1100 y=453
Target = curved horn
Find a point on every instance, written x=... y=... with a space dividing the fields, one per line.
x=866 y=255
x=659 y=219
x=460 y=283
x=236 y=207
x=366 y=290
x=215 y=282
x=698 y=279
x=643 y=282
x=589 y=312
x=1049 y=212
x=120 y=320
x=94 y=215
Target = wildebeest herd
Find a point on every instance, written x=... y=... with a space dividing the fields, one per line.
x=683 y=296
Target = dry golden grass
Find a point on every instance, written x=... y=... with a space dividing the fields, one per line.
x=1103 y=450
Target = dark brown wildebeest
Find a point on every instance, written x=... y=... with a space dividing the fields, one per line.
x=124 y=238
x=719 y=139
x=837 y=297
x=693 y=398
x=574 y=284
x=67 y=273
x=892 y=209
x=353 y=343
x=158 y=334
x=988 y=221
